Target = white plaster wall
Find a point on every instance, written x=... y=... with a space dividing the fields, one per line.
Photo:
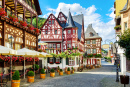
x=123 y=20
x=123 y=64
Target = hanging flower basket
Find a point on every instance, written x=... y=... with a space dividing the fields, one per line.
x=30 y=27
x=2 y=12
x=13 y=18
x=37 y=30
x=23 y=23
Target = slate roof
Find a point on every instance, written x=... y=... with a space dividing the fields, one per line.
x=91 y=30
x=125 y=7
x=70 y=22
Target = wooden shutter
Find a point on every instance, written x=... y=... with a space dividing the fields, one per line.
x=67 y=61
x=60 y=60
x=48 y=60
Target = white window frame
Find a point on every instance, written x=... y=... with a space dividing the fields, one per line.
x=89 y=51
x=94 y=51
x=69 y=31
x=58 y=45
x=71 y=61
x=58 y=60
x=51 y=60
x=93 y=41
x=54 y=45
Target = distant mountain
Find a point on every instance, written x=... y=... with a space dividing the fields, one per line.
x=41 y=21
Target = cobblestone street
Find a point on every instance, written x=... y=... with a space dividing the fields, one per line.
x=99 y=77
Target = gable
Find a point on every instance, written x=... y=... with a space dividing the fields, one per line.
x=51 y=23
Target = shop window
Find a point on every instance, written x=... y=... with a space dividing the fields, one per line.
x=54 y=45
x=57 y=60
x=71 y=61
x=93 y=41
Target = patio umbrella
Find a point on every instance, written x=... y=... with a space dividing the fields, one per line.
x=42 y=43
x=26 y=52
x=8 y=51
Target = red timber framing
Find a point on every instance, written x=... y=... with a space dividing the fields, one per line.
x=62 y=18
x=51 y=30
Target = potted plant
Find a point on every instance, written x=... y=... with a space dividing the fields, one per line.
x=58 y=69
x=30 y=76
x=23 y=23
x=36 y=67
x=68 y=71
x=61 y=72
x=52 y=73
x=72 y=70
x=30 y=27
x=15 y=79
x=42 y=74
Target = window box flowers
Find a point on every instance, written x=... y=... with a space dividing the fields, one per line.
x=30 y=27
x=13 y=18
x=23 y=23
x=37 y=30
x=2 y=12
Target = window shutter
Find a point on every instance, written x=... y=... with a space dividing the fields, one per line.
x=67 y=61
x=48 y=60
x=54 y=60
x=60 y=60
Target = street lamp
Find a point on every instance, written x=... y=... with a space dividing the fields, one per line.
x=117 y=76
x=11 y=41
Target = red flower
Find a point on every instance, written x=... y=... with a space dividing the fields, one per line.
x=23 y=23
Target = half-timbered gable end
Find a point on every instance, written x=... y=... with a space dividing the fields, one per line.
x=92 y=41
x=51 y=30
x=72 y=28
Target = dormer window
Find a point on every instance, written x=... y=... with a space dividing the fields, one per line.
x=91 y=34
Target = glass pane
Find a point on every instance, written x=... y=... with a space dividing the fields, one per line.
x=88 y=42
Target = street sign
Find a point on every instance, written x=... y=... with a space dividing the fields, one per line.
x=105 y=46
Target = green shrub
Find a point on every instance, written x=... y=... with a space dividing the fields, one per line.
x=36 y=67
x=61 y=70
x=72 y=68
x=52 y=70
x=30 y=73
x=68 y=69
x=42 y=71
x=16 y=75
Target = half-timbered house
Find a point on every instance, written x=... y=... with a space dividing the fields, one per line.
x=12 y=33
x=63 y=33
x=92 y=44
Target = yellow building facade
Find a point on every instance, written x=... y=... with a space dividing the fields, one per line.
x=119 y=4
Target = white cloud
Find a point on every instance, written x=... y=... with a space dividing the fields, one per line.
x=105 y=30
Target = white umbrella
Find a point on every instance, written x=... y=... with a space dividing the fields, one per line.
x=42 y=43
x=8 y=51
x=26 y=52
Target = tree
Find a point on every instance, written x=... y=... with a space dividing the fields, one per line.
x=124 y=42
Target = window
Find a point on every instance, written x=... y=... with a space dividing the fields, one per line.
x=94 y=51
x=89 y=51
x=51 y=60
x=68 y=45
x=88 y=42
x=46 y=32
x=57 y=60
x=91 y=34
x=39 y=46
x=125 y=25
x=49 y=21
x=71 y=61
x=52 y=21
x=18 y=46
x=69 y=31
x=55 y=31
x=50 y=45
x=54 y=45
x=73 y=31
x=58 y=45
x=93 y=41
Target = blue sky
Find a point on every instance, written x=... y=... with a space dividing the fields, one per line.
x=98 y=12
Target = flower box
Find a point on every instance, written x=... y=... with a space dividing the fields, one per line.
x=57 y=62
x=23 y=23
x=51 y=62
